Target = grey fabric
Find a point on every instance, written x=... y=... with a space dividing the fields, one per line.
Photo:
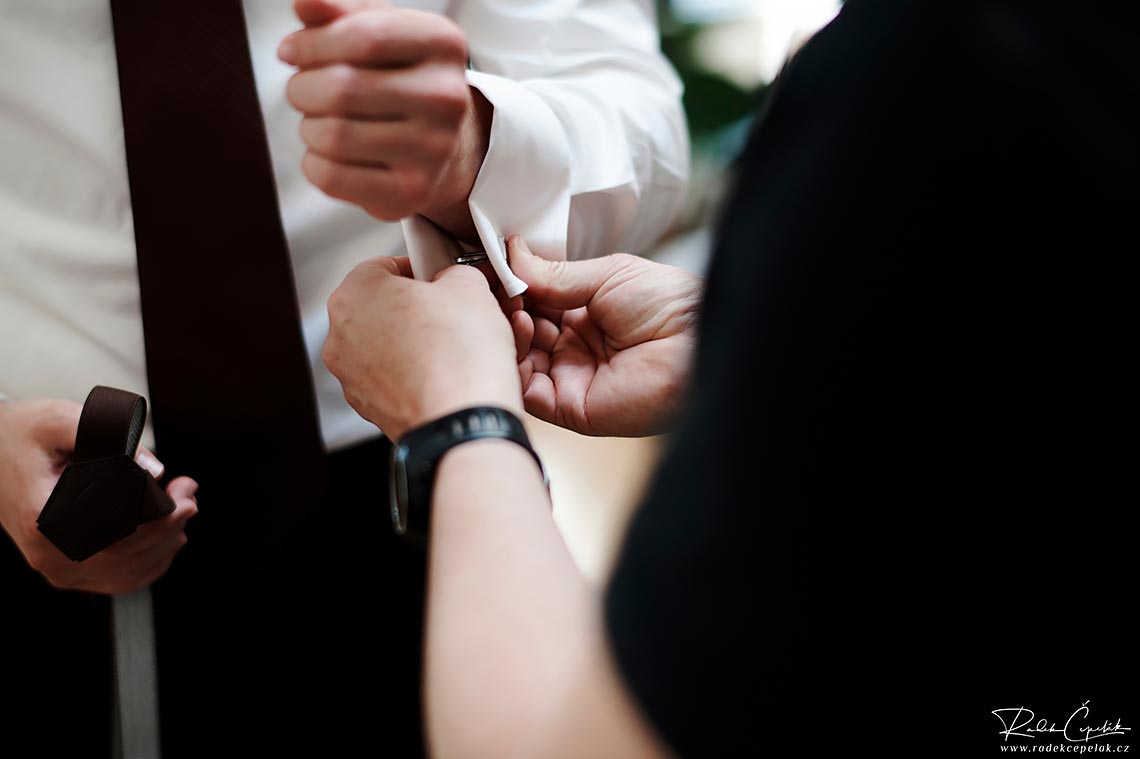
x=135 y=732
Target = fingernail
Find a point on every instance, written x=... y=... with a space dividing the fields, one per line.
x=286 y=49
x=151 y=464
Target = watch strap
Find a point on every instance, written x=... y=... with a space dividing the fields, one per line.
x=417 y=455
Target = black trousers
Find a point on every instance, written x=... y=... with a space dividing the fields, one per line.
x=317 y=653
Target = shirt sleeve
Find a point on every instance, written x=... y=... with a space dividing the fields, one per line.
x=588 y=149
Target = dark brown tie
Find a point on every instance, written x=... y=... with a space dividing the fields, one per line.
x=230 y=382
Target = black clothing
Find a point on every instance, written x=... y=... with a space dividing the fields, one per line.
x=899 y=499
x=317 y=654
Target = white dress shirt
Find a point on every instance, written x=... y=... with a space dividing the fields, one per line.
x=588 y=155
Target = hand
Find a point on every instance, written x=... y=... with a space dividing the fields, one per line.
x=608 y=342
x=37 y=439
x=408 y=352
x=389 y=119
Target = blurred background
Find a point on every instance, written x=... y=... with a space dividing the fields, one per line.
x=727 y=53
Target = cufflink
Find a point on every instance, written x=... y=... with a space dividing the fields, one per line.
x=472 y=258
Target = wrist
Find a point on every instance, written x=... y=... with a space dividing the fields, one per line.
x=435 y=405
x=449 y=209
x=417 y=456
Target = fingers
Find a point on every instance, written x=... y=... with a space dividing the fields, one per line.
x=462 y=276
x=400 y=266
x=150 y=463
x=559 y=284
x=182 y=487
x=160 y=552
x=539 y=361
x=509 y=305
x=131 y=563
x=461 y=279
x=578 y=324
x=522 y=324
x=488 y=271
x=546 y=334
x=374 y=143
x=369 y=281
x=526 y=372
x=183 y=491
x=319 y=12
x=389 y=195
x=386 y=102
x=160 y=531
x=540 y=398
x=153 y=573
x=433 y=92
x=537 y=336
x=377 y=38
x=380 y=268
x=114 y=574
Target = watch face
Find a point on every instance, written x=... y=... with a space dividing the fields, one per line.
x=398 y=497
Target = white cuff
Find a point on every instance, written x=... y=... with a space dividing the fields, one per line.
x=430 y=249
x=523 y=186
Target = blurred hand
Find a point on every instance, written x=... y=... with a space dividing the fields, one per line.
x=408 y=352
x=389 y=119
x=37 y=439
x=606 y=344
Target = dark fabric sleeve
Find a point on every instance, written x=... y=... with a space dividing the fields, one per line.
x=912 y=445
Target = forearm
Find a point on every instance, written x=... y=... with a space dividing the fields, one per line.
x=515 y=654
x=506 y=605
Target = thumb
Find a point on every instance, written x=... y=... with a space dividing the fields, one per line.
x=560 y=285
x=321 y=12
x=182 y=487
x=150 y=462
x=460 y=274
x=400 y=266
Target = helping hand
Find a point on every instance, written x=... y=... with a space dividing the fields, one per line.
x=608 y=341
x=37 y=439
x=408 y=352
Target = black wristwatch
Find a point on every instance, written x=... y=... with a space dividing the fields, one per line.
x=417 y=454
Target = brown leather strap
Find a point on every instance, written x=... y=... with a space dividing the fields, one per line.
x=230 y=378
x=103 y=495
x=111 y=424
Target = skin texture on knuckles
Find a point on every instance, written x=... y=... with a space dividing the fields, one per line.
x=389 y=120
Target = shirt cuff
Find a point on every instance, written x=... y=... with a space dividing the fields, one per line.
x=523 y=187
x=430 y=249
